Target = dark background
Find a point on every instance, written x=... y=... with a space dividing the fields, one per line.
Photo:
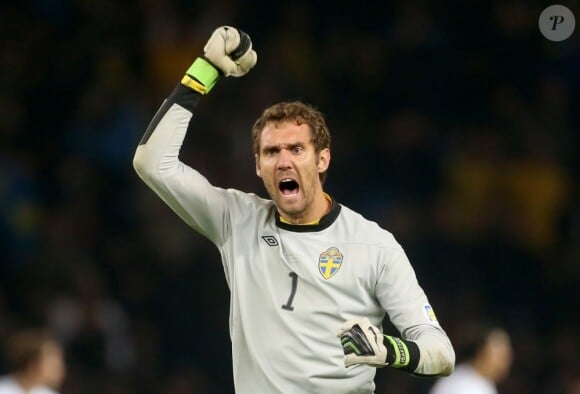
x=455 y=127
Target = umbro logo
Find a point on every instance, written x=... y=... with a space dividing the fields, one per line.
x=270 y=240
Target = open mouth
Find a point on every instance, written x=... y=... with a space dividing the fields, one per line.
x=288 y=187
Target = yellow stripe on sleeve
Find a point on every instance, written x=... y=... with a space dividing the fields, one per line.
x=193 y=84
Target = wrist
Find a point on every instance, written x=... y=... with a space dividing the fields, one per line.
x=201 y=76
x=401 y=354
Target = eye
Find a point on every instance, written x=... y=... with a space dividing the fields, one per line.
x=270 y=151
x=297 y=150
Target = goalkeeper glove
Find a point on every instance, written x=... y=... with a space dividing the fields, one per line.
x=363 y=343
x=227 y=52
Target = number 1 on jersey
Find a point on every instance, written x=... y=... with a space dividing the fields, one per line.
x=288 y=305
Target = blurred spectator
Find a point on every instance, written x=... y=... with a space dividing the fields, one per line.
x=92 y=326
x=35 y=362
x=484 y=359
x=473 y=173
x=537 y=193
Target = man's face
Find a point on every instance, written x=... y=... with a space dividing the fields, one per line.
x=51 y=365
x=289 y=167
x=498 y=354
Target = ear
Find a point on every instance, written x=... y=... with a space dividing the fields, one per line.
x=258 y=170
x=323 y=160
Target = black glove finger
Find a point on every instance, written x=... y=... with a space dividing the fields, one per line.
x=244 y=45
x=356 y=336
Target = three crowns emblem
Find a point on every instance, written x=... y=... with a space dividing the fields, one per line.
x=329 y=262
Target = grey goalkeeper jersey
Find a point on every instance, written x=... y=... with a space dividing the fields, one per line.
x=292 y=287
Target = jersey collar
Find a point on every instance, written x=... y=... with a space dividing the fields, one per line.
x=323 y=223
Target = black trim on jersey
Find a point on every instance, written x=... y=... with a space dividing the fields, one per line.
x=414 y=354
x=182 y=95
x=324 y=222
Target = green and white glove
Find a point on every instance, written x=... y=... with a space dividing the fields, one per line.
x=363 y=343
x=228 y=52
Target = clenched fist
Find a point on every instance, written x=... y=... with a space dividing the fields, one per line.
x=230 y=50
x=227 y=52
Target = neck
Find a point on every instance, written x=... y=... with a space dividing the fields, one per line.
x=485 y=369
x=25 y=380
x=320 y=207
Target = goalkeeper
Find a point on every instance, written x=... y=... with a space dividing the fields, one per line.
x=310 y=280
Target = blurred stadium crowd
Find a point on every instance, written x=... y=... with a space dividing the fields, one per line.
x=455 y=127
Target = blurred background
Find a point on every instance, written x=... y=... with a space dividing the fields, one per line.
x=454 y=127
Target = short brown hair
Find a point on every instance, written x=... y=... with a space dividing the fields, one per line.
x=24 y=347
x=299 y=112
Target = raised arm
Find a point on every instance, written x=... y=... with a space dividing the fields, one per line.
x=156 y=161
x=201 y=205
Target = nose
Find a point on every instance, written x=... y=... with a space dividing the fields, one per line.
x=284 y=160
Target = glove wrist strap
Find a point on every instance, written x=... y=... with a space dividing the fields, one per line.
x=401 y=354
x=201 y=76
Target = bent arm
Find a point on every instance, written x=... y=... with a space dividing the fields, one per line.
x=204 y=207
x=430 y=350
x=184 y=190
x=436 y=354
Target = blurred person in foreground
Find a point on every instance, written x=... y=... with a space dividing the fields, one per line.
x=484 y=358
x=310 y=279
x=35 y=362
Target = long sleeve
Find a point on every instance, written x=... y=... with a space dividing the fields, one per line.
x=409 y=310
x=437 y=357
x=156 y=161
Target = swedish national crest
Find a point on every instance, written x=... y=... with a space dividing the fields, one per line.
x=329 y=262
